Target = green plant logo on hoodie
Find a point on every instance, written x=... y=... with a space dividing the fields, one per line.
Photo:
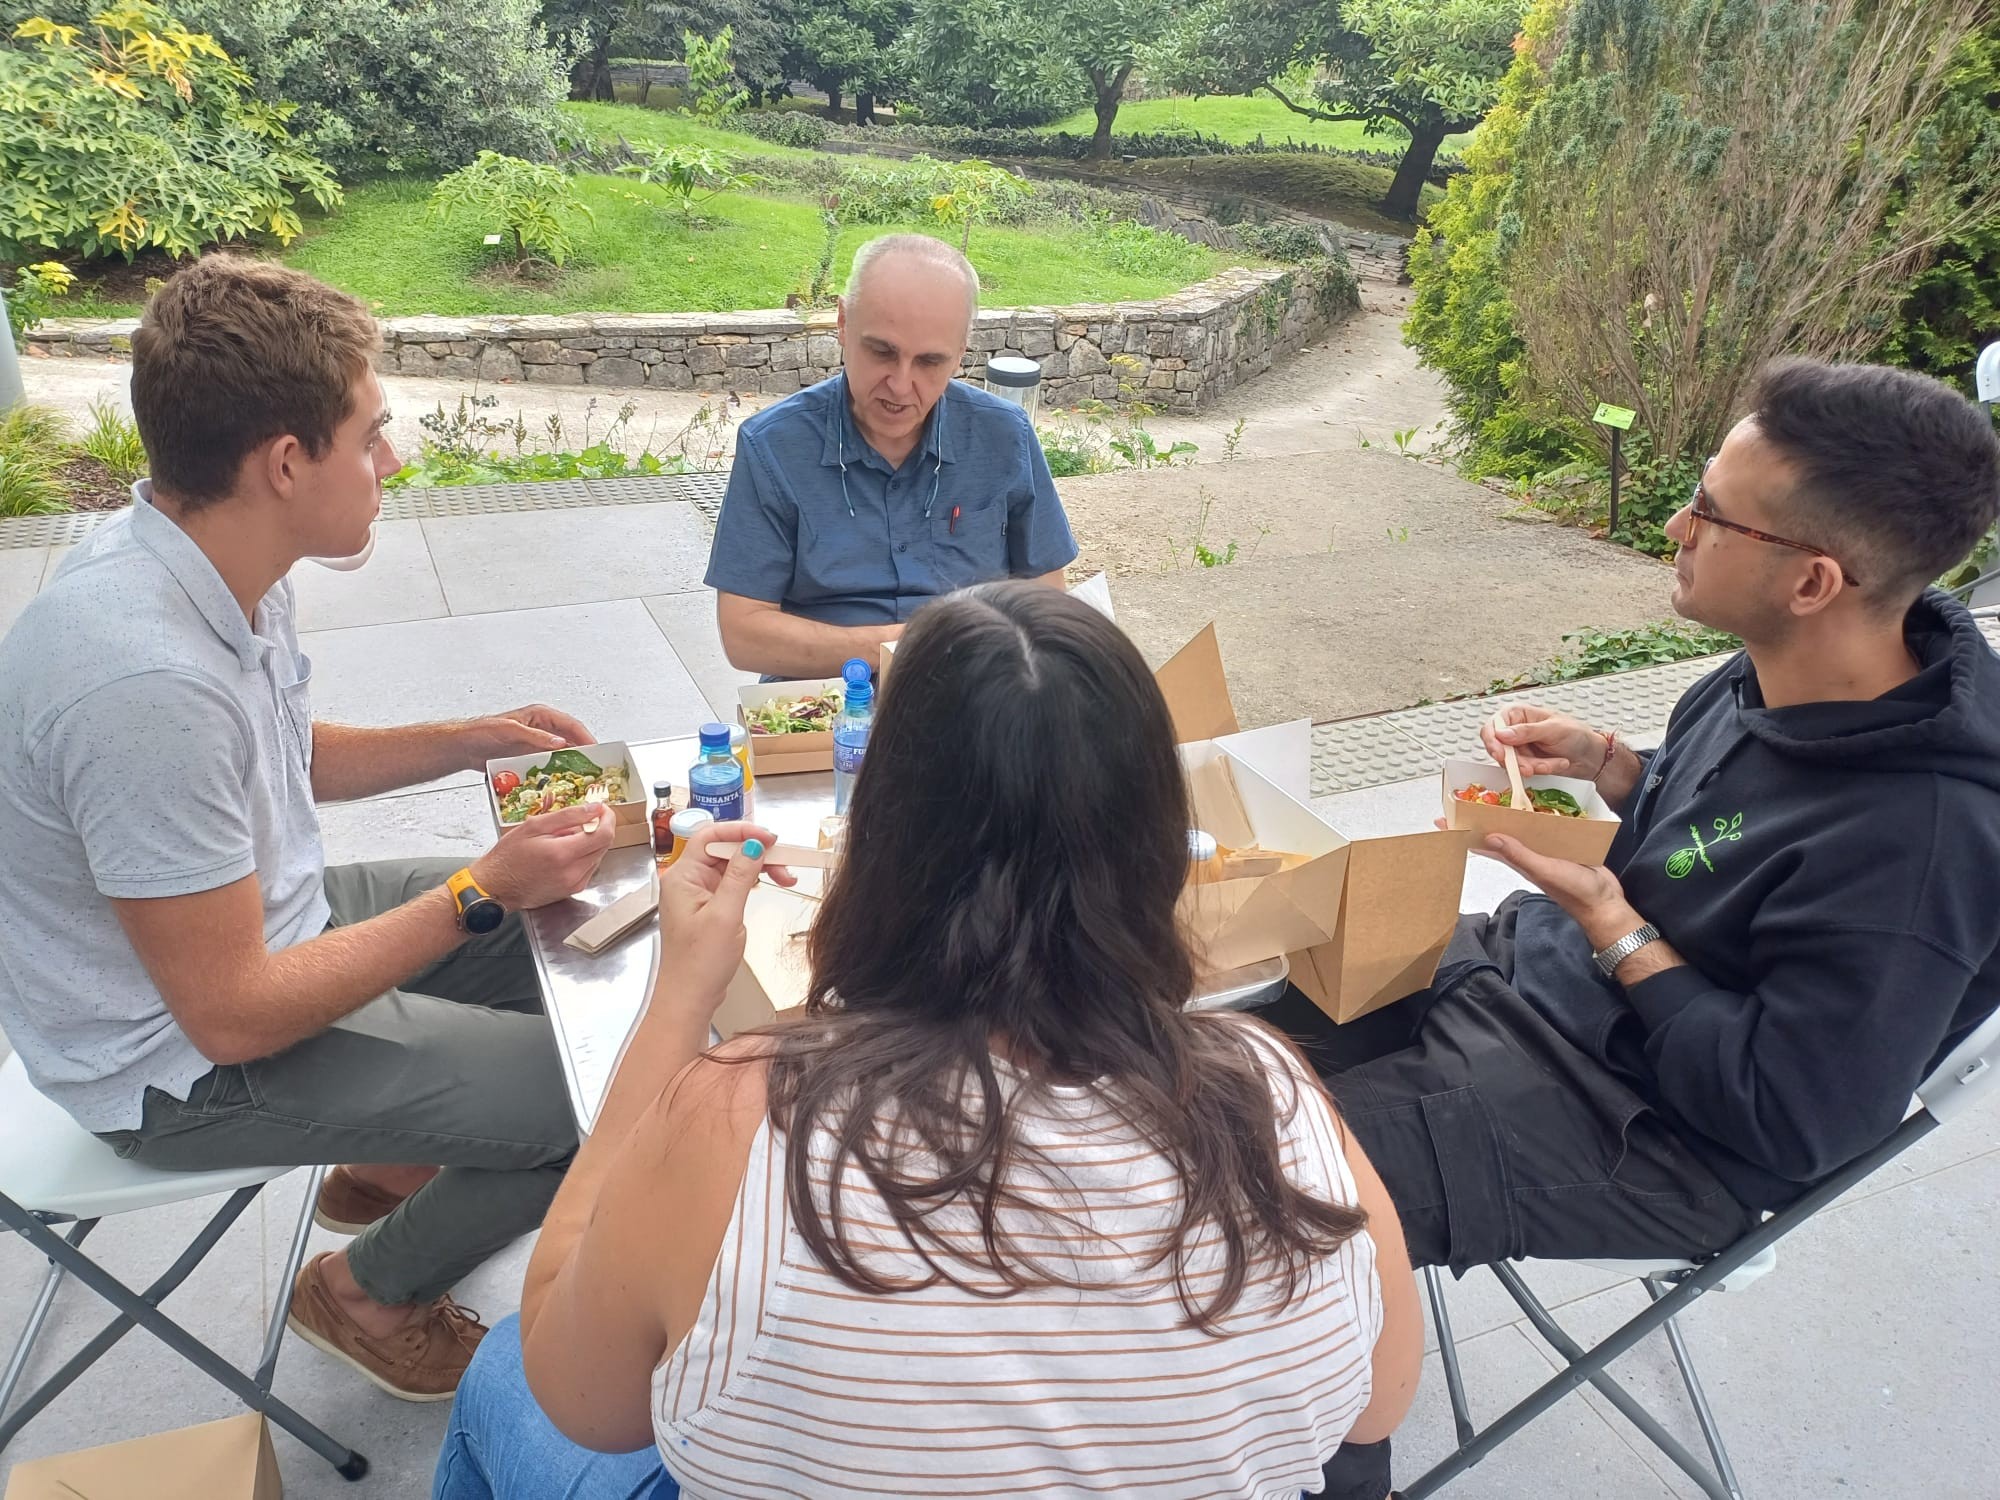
x=1681 y=862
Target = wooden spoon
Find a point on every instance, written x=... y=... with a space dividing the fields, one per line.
x=1521 y=799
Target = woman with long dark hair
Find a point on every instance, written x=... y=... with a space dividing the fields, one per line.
x=995 y=1215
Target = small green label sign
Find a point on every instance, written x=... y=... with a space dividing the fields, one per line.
x=1615 y=416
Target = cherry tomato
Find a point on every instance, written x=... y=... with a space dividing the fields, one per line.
x=504 y=782
x=1491 y=799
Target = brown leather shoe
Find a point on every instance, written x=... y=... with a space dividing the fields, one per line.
x=347 y=1205
x=423 y=1361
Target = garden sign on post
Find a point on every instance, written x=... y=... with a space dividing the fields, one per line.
x=1619 y=420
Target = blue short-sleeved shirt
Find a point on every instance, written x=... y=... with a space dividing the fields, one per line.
x=973 y=502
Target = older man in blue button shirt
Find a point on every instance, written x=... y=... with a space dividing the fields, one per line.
x=855 y=501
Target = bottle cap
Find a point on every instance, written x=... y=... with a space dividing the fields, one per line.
x=686 y=824
x=715 y=736
x=859 y=689
x=738 y=736
x=663 y=791
x=1201 y=846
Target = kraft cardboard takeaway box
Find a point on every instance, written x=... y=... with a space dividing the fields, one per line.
x=1363 y=922
x=1585 y=840
x=629 y=814
x=1395 y=906
x=226 y=1460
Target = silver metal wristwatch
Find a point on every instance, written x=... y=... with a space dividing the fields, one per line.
x=1608 y=959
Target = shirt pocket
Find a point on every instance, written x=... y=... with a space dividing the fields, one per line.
x=969 y=540
x=295 y=706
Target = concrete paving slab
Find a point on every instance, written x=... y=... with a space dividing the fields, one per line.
x=454 y=820
x=397 y=583
x=1863 y=1365
x=1571 y=1454
x=688 y=622
x=529 y=560
x=606 y=663
x=21 y=571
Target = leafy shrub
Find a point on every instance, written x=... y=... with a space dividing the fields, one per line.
x=464 y=446
x=112 y=439
x=1597 y=652
x=689 y=175
x=31 y=457
x=1142 y=251
x=141 y=134
x=783 y=127
x=712 y=77
x=973 y=192
x=33 y=295
x=1283 y=242
x=401 y=85
x=532 y=202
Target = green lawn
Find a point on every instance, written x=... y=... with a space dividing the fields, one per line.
x=1333 y=187
x=1242 y=118
x=383 y=246
x=655 y=127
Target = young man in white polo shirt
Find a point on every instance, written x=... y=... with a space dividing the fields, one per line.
x=180 y=970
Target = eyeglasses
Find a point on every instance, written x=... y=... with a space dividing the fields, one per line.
x=1700 y=512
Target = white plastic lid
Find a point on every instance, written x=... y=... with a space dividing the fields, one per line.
x=1012 y=369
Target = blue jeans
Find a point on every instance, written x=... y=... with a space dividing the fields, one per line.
x=500 y=1447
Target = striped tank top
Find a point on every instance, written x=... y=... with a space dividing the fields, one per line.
x=793 y=1384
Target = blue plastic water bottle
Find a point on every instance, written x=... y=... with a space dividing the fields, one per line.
x=850 y=732
x=715 y=783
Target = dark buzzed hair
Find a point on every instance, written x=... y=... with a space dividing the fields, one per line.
x=1898 y=474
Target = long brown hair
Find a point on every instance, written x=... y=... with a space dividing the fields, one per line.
x=1016 y=847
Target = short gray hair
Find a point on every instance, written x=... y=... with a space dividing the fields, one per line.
x=921 y=248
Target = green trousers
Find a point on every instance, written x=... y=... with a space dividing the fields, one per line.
x=455 y=1069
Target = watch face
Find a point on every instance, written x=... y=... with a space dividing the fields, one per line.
x=484 y=915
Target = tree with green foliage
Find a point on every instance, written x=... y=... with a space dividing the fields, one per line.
x=848 y=46
x=136 y=133
x=1432 y=67
x=988 y=62
x=595 y=31
x=382 y=85
x=1461 y=318
x=1952 y=308
x=532 y=202
x=712 y=90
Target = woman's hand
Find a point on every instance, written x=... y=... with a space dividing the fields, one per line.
x=701 y=912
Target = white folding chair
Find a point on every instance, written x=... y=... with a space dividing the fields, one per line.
x=53 y=1171
x=1967 y=1074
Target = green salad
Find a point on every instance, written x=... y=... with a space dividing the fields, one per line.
x=815 y=711
x=1548 y=799
x=565 y=780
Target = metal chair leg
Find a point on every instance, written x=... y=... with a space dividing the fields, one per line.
x=17 y=1366
x=281 y=1304
x=1698 y=1399
x=1454 y=1379
x=139 y=1310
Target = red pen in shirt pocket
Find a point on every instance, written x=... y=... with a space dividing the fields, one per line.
x=952 y=527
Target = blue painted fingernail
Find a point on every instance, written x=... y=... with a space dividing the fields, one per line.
x=753 y=848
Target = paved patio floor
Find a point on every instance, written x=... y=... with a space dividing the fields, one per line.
x=1863 y=1367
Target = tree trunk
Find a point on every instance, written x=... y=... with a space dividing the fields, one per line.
x=1109 y=93
x=1405 y=193
x=645 y=84
x=590 y=77
x=833 y=100
x=864 y=109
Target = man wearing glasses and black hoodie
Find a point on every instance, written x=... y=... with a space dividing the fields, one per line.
x=1801 y=913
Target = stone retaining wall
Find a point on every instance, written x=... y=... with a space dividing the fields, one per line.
x=1177 y=354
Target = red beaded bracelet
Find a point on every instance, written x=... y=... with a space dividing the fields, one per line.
x=1610 y=749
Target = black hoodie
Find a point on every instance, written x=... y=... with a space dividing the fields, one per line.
x=1831 y=874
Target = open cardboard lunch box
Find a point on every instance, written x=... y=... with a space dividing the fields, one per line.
x=784 y=754
x=1363 y=922
x=1585 y=840
x=630 y=814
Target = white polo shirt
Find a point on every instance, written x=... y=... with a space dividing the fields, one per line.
x=152 y=743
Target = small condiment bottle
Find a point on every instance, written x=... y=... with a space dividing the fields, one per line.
x=1204 y=857
x=685 y=825
x=663 y=818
